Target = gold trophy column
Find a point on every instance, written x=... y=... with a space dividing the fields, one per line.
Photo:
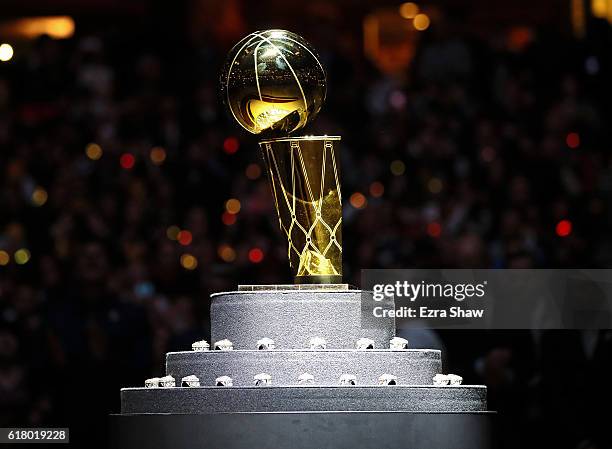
x=305 y=179
x=274 y=86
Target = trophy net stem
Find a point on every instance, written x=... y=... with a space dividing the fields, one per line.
x=304 y=178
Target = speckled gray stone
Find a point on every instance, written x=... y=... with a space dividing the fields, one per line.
x=412 y=367
x=292 y=317
x=303 y=398
x=303 y=430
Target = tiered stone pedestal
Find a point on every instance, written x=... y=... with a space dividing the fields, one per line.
x=286 y=415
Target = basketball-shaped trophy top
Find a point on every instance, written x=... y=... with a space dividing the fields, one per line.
x=273 y=82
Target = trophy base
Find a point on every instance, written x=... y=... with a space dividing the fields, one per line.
x=318 y=279
x=289 y=287
x=292 y=315
x=304 y=430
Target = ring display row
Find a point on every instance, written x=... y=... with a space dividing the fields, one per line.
x=264 y=379
x=265 y=344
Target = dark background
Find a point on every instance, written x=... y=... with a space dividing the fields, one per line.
x=489 y=147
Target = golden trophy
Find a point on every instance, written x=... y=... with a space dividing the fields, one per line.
x=274 y=85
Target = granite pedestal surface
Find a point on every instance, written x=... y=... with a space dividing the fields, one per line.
x=286 y=414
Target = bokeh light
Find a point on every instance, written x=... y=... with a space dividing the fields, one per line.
x=93 y=151
x=127 y=161
x=14 y=231
x=488 y=154
x=591 y=65
x=408 y=10
x=22 y=256
x=189 y=262
x=172 y=232
x=30 y=28
x=253 y=171
x=256 y=255
x=434 y=229
x=184 y=237
x=231 y=145
x=573 y=140
x=39 y=196
x=358 y=200
x=398 y=168
x=4 y=258
x=563 y=228
x=233 y=206
x=6 y=52
x=158 y=155
x=226 y=253
x=599 y=8
x=377 y=189
x=228 y=219
x=421 y=22
x=398 y=99
x=435 y=185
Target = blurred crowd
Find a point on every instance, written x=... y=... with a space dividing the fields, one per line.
x=117 y=162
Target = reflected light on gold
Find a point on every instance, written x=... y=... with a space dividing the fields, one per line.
x=264 y=114
x=57 y=27
x=421 y=22
x=273 y=81
x=6 y=52
x=189 y=262
x=233 y=206
x=93 y=151
x=158 y=155
x=304 y=176
x=22 y=256
x=4 y=258
x=408 y=10
x=39 y=196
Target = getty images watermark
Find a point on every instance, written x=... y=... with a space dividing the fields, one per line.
x=488 y=299
x=414 y=292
